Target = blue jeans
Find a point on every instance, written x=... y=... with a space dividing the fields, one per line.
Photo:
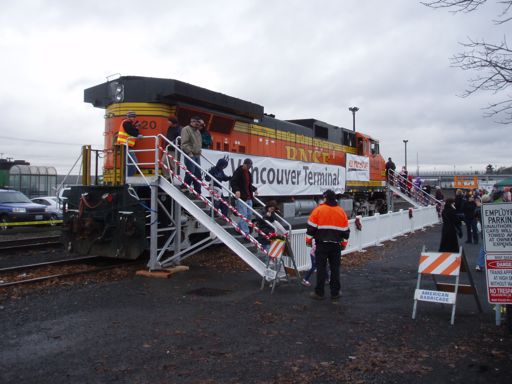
x=244 y=211
x=196 y=171
x=312 y=270
x=308 y=274
x=481 y=258
x=130 y=162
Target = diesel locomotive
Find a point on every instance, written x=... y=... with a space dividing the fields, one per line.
x=295 y=161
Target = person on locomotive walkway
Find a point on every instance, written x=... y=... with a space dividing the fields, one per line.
x=128 y=135
x=206 y=137
x=244 y=190
x=390 y=165
x=191 y=145
x=173 y=132
x=217 y=171
x=328 y=226
x=451 y=228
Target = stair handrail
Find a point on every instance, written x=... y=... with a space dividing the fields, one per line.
x=257 y=199
x=394 y=176
x=213 y=192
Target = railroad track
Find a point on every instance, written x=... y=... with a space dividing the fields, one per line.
x=34 y=273
x=33 y=242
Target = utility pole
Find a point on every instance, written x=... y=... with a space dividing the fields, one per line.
x=353 y=110
x=405 y=142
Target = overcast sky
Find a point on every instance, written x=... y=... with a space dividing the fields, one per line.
x=299 y=59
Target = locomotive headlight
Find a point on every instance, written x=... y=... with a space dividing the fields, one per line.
x=19 y=210
x=117 y=91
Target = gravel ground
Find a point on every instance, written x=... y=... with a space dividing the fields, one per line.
x=212 y=324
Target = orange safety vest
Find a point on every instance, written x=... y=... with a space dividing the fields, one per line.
x=123 y=137
x=328 y=223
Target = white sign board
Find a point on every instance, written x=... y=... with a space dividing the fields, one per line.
x=497 y=227
x=487 y=185
x=435 y=296
x=358 y=168
x=497 y=230
x=280 y=177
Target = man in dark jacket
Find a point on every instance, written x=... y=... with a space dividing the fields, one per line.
x=242 y=187
x=390 y=165
x=328 y=225
x=469 y=208
x=173 y=132
x=451 y=228
x=217 y=171
x=127 y=135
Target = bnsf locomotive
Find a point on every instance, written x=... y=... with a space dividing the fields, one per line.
x=322 y=154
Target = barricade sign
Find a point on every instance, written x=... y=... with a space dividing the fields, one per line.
x=275 y=265
x=446 y=264
x=276 y=248
x=497 y=234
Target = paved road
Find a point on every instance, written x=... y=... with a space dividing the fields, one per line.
x=211 y=325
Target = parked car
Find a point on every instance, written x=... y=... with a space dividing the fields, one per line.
x=16 y=207
x=52 y=205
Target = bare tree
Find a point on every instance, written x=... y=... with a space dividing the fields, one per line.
x=491 y=62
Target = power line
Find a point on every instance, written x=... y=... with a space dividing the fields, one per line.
x=38 y=141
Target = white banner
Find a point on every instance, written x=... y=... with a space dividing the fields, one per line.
x=280 y=177
x=358 y=168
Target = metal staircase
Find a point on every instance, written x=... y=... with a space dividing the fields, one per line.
x=191 y=210
x=410 y=192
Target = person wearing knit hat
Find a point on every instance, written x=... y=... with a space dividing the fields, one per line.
x=173 y=132
x=128 y=134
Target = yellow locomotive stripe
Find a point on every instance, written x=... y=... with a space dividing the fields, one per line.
x=17 y=224
x=259 y=130
x=373 y=183
x=146 y=109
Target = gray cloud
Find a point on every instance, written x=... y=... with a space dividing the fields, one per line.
x=297 y=58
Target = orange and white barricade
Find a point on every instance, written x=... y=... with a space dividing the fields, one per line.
x=448 y=264
x=276 y=248
x=276 y=268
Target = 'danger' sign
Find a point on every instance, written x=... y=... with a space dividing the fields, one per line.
x=497 y=230
x=279 y=177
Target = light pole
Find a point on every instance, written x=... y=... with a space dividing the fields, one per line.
x=353 y=110
x=405 y=142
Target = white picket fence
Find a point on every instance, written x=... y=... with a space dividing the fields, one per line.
x=375 y=230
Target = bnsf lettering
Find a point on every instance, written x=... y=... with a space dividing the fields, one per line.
x=307 y=155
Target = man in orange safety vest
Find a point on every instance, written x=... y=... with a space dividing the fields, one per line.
x=328 y=225
x=127 y=135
